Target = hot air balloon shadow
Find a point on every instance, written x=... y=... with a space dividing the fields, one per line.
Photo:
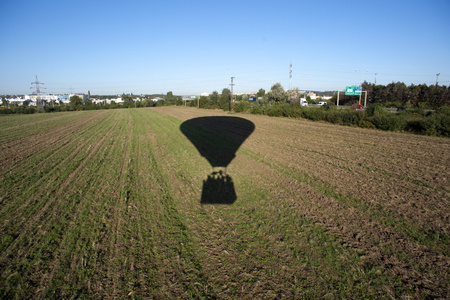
x=217 y=139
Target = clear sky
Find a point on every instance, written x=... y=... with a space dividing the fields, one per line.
x=192 y=47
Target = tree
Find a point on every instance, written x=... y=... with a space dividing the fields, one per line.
x=413 y=95
x=277 y=94
x=295 y=93
x=4 y=101
x=214 y=98
x=242 y=97
x=203 y=102
x=148 y=103
x=261 y=93
x=170 y=98
x=224 y=100
x=75 y=103
x=179 y=101
x=127 y=101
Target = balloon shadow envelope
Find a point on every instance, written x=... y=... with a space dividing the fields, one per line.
x=217 y=139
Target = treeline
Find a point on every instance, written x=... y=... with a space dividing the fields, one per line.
x=280 y=103
x=76 y=103
x=17 y=110
x=398 y=94
x=394 y=95
x=417 y=120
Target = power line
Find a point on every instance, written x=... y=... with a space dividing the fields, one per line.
x=38 y=91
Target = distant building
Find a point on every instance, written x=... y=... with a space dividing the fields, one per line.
x=188 y=98
x=15 y=101
x=117 y=100
x=33 y=97
x=64 y=99
x=312 y=95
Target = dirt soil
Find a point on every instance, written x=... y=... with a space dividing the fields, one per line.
x=111 y=204
x=386 y=194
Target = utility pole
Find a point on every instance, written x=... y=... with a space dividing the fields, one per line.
x=38 y=91
x=290 y=80
x=231 y=99
x=376 y=78
x=290 y=76
x=361 y=81
x=437 y=78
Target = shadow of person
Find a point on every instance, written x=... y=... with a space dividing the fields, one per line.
x=217 y=139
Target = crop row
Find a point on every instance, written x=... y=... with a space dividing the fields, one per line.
x=263 y=237
x=110 y=207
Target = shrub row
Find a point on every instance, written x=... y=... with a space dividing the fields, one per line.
x=17 y=110
x=434 y=124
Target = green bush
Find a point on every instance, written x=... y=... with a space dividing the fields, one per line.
x=435 y=125
x=5 y=111
x=422 y=126
x=242 y=106
x=443 y=124
x=17 y=110
x=419 y=111
x=314 y=114
x=288 y=110
x=297 y=111
x=375 y=110
x=445 y=110
x=392 y=104
x=352 y=117
x=365 y=124
x=390 y=122
x=256 y=110
x=334 y=116
x=274 y=111
x=328 y=107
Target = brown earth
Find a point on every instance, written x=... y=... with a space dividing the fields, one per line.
x=321 y=210
x=383 y=193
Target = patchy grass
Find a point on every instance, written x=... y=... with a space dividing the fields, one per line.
x=106 y=204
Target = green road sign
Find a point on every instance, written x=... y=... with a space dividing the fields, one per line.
x=353 y=90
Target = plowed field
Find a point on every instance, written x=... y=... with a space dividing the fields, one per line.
x=165 y=203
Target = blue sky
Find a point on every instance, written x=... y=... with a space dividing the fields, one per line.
x=192 y=47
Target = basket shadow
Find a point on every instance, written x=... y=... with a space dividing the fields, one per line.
x=218 y=188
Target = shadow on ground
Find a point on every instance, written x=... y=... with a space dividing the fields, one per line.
x=217 y=139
